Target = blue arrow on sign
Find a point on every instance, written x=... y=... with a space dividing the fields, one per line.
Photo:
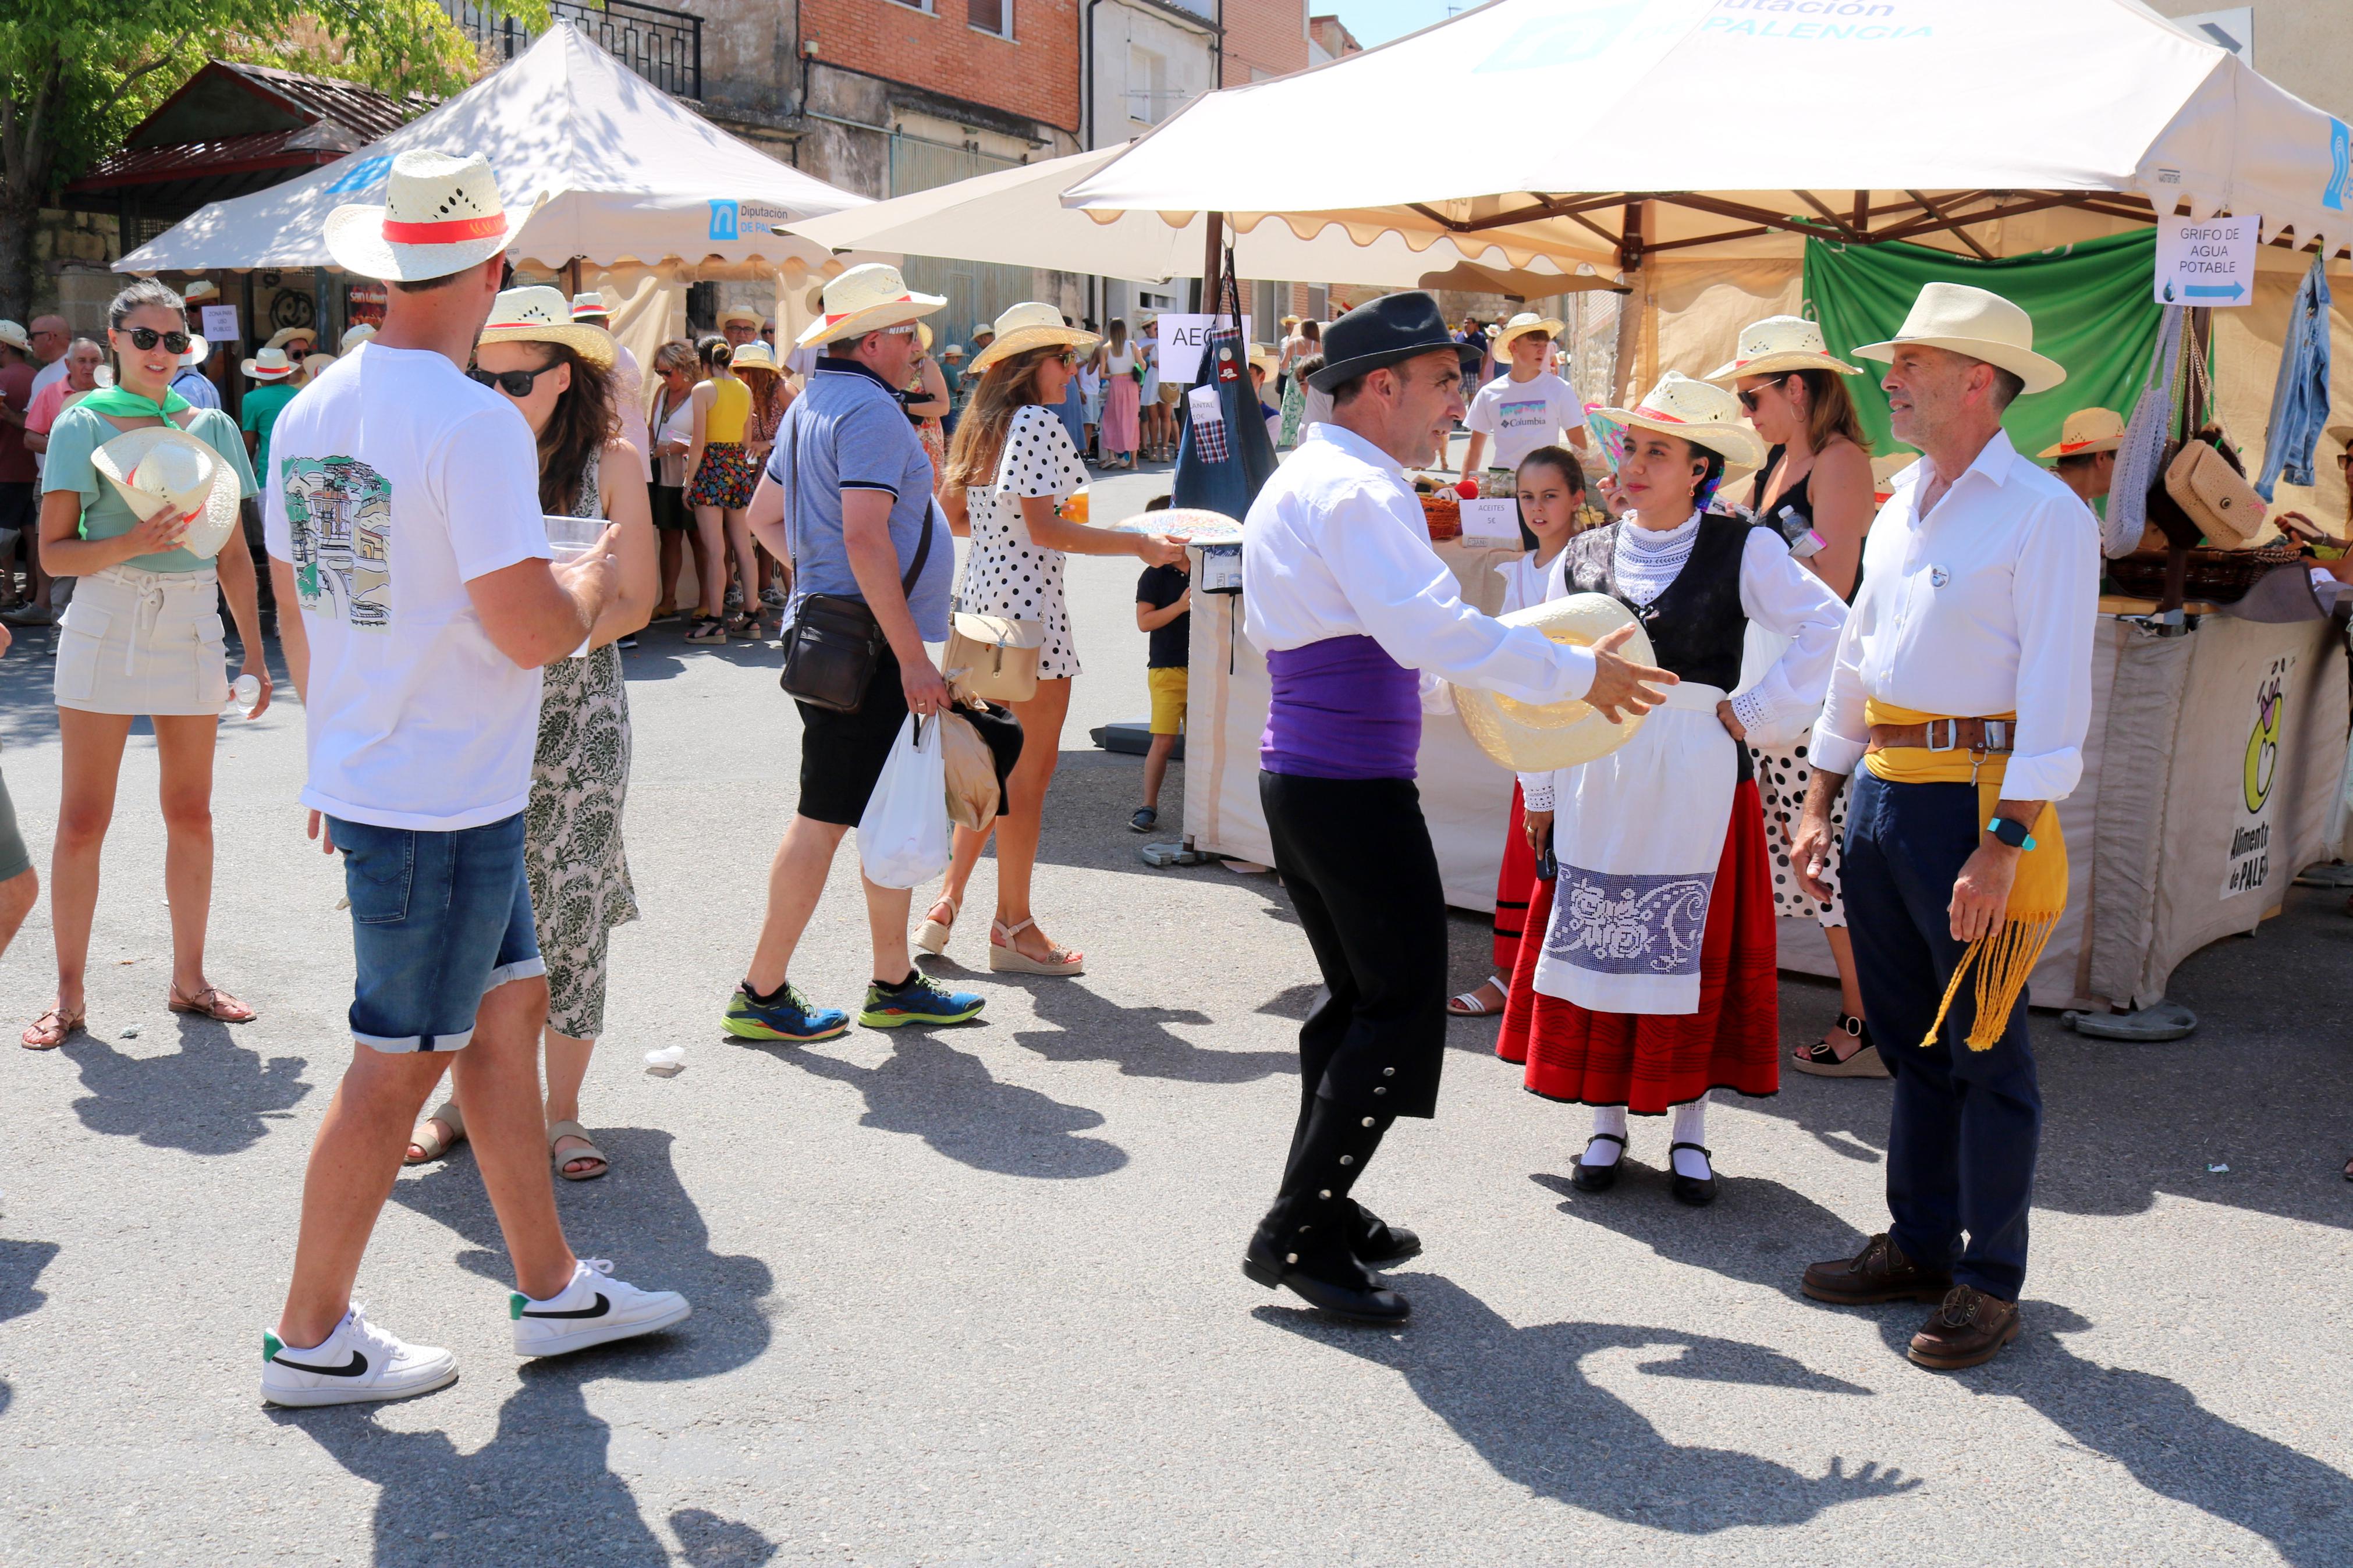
x=2214 y=291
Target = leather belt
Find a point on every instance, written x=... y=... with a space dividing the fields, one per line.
x=1987 y=735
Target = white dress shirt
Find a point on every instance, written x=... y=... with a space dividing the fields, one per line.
x=1986 y=606
x=1336 y=546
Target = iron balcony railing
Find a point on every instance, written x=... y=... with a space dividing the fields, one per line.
x=662 y=45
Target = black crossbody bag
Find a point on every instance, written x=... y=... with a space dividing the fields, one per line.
x=834 y=643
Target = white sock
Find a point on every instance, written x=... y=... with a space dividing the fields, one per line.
x=1689 y=1125
x=1609 y=1118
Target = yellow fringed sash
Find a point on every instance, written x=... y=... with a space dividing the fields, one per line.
x=2006 y=955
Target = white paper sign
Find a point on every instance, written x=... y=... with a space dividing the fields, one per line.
x=1490 y=519
x=1181 y=339
x=1206 y=410
x=220 y=323
x=2209 y=263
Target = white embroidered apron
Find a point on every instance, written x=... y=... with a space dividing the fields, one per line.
x=1638 y=835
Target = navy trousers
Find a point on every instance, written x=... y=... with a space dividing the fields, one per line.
x=1967 y=1125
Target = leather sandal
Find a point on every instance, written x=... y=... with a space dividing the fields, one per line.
x=1588 y=1178
x=429 y=1138
x=559 y=1131
x=1004 y=958
x=1468 y=1005
x=52 y=1029
x=212 y=1003
x=1822 y=1059
x=932 y=937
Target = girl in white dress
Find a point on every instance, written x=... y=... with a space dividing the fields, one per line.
x=1011 y=468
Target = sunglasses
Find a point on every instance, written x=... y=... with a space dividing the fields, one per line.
x=145 y=338
x=1749 y=399
x=513 y=383
x=298 y=350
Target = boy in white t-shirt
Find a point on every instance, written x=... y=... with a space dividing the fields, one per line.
x=1527 y=407
x=417 y=604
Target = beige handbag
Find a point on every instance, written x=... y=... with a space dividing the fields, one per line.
x=2207 y=486
x=995 y=657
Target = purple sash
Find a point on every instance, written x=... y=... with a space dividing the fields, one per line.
x=1343 y=709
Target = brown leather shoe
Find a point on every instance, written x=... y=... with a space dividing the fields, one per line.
x=1880 y=1272
x=1967 y=1330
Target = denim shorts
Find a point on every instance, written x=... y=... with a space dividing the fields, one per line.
x=439 y=920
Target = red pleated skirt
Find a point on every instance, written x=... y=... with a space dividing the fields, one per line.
x=1515 y=887
x=1649 y=1062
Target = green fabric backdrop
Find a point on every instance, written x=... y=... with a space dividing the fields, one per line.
x=2091 y=304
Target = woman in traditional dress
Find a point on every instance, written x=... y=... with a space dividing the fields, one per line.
x=1551 y=484
x=579 y=876
x=1655 y=981
x=1815 y=489
x=141 y=492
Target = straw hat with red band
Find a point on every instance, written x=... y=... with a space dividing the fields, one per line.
x=591 y=308
x=1705 y=416
x=2087 y=431
x=865 y=299
x=441 y=214
x=1777 y=345
x=539 y=314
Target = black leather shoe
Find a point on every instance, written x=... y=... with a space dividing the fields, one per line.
x=1379 y=1245
x=1599 y=1178
x=1697 y=1192
x=1356 y=1299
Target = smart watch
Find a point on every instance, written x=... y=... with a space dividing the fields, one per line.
x=2011 y=832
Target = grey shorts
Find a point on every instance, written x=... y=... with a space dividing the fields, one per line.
x=14 y=861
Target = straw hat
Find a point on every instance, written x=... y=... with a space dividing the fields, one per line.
x=1530 y=738
x=590 y=304
x=314 y=365
x=198 y=351
x=1885 y=467
x=1703 y=415
x=2087 y=430
x=440 y=215
x=201 y=291
x=953 y=351
x=1264 y=356
x=1777 y=345
x=1031 y=325
x=865 y=299
x=923 y=337
x=1524 y=324
x=1977 y=323
x=163 y=470
x=754 y=355
x=284 y=335
x=270 y=364
x=751 y=318
x=539 y=314
x=354 y=336
x=13 y=336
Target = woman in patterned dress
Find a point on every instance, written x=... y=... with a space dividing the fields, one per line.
x=720 y=476
x=755 y=365
x=580 y=776
x=1011 y=466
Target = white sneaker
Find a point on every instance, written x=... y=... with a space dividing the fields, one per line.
x=593 y=1310
x=357 y=1362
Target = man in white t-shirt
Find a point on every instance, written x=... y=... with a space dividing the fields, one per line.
x=1526 y=407
x=403 y=518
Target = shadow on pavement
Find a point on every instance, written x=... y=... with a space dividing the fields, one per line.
x=1088 y=1027
x=935 y=1093
x=543 y=1481
x=210 y=1097
x=21 y=1263
x=1758 y=1231
x=1549 y=1427
x=642 y=1217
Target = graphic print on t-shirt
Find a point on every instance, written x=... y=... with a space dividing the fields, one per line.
x=339 y=518
x=1531 y=413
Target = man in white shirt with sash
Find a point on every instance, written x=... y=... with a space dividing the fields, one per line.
x=1963 y=690
x=1358 y=617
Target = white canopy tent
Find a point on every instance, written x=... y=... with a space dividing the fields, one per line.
x=625 y=176
x=1612 y=130
x=1016 y=217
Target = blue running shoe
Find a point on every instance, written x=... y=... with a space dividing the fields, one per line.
x=921 y=1000
x=789 y=1017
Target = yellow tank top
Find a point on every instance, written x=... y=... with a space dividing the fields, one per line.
x=730 y=404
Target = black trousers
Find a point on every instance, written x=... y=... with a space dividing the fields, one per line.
x=1356 y=857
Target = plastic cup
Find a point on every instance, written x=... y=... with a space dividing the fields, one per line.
x=570 y=538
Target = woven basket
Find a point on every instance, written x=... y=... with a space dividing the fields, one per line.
x=2216 y=576
x=1443 y=513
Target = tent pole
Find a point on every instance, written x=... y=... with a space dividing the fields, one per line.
x=1214 y=231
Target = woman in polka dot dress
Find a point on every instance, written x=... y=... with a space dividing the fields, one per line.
x=1012 y=465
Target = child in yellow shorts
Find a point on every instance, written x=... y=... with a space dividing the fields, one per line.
x=1163 y=611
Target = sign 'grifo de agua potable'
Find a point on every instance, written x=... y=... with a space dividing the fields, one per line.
x=2209 y=262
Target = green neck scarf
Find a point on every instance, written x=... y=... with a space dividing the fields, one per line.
x=125 y=404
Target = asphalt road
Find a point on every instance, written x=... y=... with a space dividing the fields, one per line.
x=972 y=1297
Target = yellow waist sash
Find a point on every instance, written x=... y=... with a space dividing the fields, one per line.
x=2006 y=955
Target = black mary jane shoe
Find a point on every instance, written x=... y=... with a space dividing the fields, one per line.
x=1697 y=1192
x=1379 y=1245
x=1588 y=1178
x=1358 y=1300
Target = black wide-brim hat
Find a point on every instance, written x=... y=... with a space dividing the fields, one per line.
x=1386 y=331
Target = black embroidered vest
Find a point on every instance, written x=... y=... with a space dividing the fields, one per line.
x=1696 y=627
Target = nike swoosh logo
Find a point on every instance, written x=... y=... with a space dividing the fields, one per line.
x=598 y=1310
x=358 y=1367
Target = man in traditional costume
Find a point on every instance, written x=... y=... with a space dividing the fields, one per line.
x=1341 y=588
x=1963 y=687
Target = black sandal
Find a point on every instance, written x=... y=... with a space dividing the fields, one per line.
x=1588 y=1178
x=1821 y=1060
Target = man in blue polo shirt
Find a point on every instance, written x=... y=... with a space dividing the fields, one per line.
x=846 y=499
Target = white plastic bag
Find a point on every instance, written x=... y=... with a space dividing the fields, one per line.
x=902 y=836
